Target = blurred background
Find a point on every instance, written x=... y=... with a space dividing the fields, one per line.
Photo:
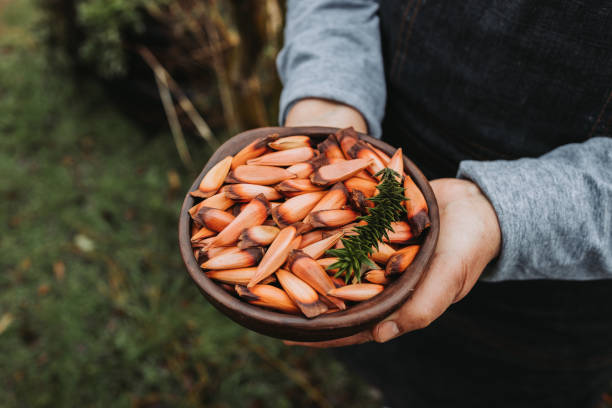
x=96 y=308
x=108 y=110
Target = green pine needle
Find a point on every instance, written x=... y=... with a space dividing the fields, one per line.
x=388 y=208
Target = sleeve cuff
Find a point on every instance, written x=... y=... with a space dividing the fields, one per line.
x=493 y=179
x=554 y=212
x=531 y=199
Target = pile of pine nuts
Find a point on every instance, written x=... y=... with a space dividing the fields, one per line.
x=269 y=214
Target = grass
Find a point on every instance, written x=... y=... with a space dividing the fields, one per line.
x=95 y=306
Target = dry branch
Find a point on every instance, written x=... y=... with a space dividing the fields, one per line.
x=162 y=75
x=175 y=126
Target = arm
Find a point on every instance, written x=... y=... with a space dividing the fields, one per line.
x=332 y=64
x=555 y=212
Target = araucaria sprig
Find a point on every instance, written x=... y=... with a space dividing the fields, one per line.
x=388 y=208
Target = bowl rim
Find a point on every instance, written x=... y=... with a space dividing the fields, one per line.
x=297 y=327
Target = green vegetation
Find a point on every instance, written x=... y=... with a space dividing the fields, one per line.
x=103 y=21
x=95 y=306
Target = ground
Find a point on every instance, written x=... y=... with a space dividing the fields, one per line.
x=95 y=306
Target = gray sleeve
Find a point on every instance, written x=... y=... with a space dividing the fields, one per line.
x=332 y=50
x=555 y=212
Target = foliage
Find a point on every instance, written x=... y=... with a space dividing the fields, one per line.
x=95 y=306
x=388 y=208
x=105 y=21
x=221 y=53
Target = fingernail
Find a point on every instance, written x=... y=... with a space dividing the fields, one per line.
x=386 y=331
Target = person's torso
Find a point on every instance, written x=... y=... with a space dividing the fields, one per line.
x=488 y=80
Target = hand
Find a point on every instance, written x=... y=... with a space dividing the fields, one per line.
x=469 y=239
x=321 y=112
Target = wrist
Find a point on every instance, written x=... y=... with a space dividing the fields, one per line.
x=323 y=112
x=454 y=194
x=491 y=230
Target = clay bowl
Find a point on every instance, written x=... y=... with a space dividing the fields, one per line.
x=323 y=327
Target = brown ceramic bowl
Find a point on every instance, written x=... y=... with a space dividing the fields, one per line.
x=327 y=326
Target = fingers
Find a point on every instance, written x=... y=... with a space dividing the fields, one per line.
x=436 y=292
x=358 y=338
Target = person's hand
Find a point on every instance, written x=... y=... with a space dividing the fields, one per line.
x=322 y=112
x=469 y=239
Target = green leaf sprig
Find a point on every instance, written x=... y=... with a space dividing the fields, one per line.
x=388 y=208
